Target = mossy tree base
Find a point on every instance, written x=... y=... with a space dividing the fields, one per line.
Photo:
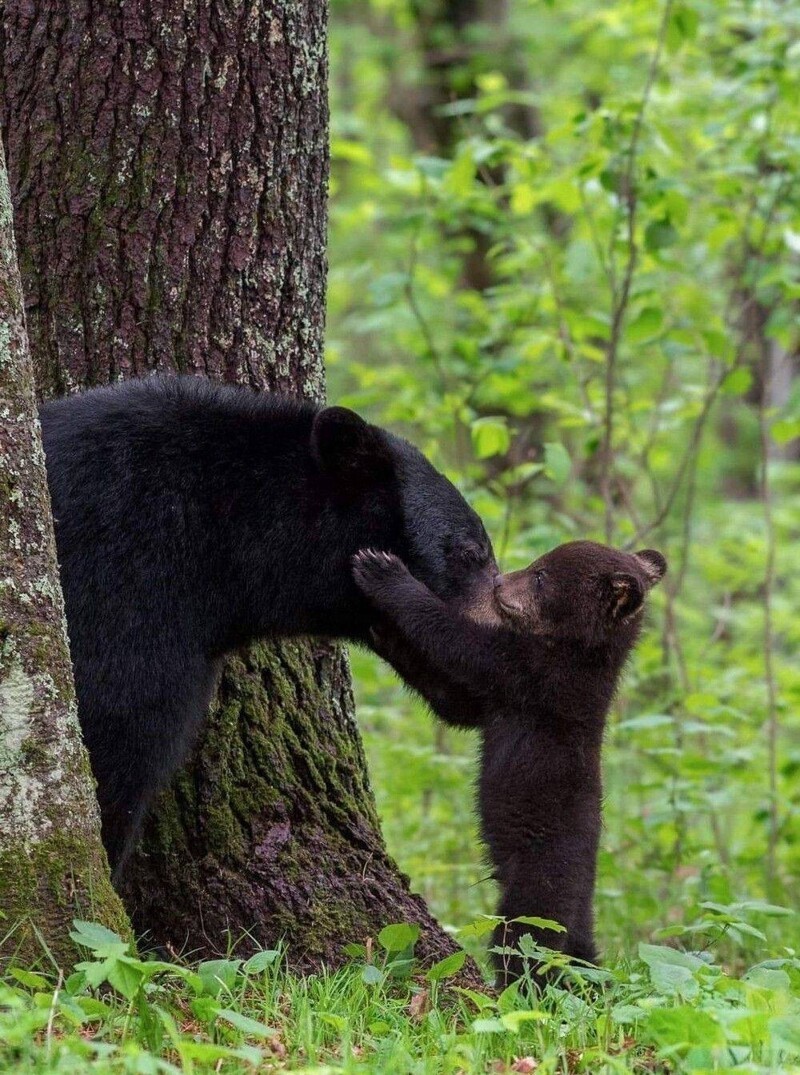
x=43 y=888
x=271 y=832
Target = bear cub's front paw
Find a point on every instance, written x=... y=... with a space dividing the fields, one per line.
x=374 y=571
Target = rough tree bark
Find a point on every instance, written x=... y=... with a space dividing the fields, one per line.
x=52 y=864
x=169 y=170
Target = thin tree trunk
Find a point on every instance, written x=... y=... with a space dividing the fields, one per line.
x=169 y=175
x=52 y=864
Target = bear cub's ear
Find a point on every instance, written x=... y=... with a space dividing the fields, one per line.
x=628 y=594
x=348 y=449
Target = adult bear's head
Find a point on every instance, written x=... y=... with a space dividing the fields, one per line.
x=395 y=499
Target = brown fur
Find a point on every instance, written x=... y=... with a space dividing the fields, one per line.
x=532 y=659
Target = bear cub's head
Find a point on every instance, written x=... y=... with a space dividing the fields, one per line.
x=581 y=591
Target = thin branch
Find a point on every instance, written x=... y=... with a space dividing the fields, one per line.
x=422 y=322
x=769 y=630
x=563 y=330
x=686 y=458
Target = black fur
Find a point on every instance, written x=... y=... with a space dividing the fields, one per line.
x=532 y=660
x=191 y=518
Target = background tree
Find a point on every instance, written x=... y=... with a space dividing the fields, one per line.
x=169 y=175
x=52 y=864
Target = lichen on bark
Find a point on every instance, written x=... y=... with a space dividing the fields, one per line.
x=52 y=864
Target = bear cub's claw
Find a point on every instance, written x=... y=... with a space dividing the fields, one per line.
x=373 y=568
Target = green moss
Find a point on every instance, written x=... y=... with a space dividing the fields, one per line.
x=33 y=754
x=43 y=887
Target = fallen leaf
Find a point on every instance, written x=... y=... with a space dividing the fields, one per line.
x=419 y=1005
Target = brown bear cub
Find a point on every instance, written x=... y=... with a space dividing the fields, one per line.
x=532 y=659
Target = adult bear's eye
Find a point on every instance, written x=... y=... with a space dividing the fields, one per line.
x=473 y=555
x=538 y=579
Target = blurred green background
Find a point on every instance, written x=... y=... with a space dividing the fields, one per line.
x=565 y=261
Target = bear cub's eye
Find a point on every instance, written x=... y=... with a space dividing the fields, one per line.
x=538 y=579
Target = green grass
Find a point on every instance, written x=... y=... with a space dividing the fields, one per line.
x=699 y=974
x=668 y=1011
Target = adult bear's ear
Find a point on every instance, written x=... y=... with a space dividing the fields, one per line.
x=348 y=449
x=627 y=595
x=654 y=564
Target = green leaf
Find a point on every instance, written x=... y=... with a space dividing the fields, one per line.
x=461 y=176
x=626 y=1014
x=480 y=1000
x=646 y=720
x=737 y=382
x=125 y=977
x=557 y=462
x=771 y=910
x=488 y=1026
x=379 y=1027
x=540 y=923
x=646 y=325
x=682 y=26
x=260 y=961
x=397 y=938
x=785 y=430
x=480 y=927
x=337 y=1021
x=684 y=1027
x=776 y=981
x=490 y=436
x=513 y=1021
x=75 y=983
x=785 y=1029
x=671 y=972
x=659 y=235
x=524 y=197
x=345 y=149
x=218 y=974
x=208 y=1052
x=446 y=967
x=654 y=954
x=244 y=1023
x=204 y=1008
x=95 y=973
x=670 y=979
x=95 y=937
x=371 y=975
x=28 y=978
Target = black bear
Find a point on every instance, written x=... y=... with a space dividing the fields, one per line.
x=191 y=518
x=532 y=659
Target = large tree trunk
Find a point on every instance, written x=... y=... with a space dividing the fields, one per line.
x=52 y=864
x=169 y=171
